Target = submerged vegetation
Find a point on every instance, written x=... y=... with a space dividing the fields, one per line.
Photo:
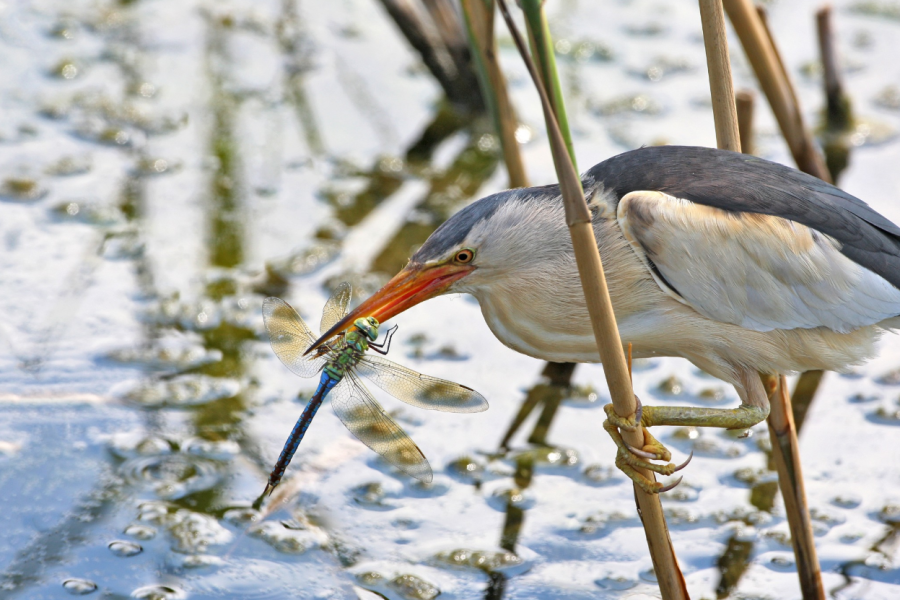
x=164 y=166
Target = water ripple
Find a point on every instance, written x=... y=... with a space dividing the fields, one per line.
x=172 y=476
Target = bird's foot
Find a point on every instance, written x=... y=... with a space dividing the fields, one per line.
x=630 y=459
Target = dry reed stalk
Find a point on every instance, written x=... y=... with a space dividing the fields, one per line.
x=775 y=83
x=718 y=65
x=590 y=269
x=441 y=43
x=479 y=20
x=834 y=88
x=809 y=381
x=786 y=453
x=769 y=68
x=743 y=99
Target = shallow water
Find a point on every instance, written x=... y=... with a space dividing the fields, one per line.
x=165 y=165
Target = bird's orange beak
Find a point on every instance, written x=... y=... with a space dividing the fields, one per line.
x=412 y=285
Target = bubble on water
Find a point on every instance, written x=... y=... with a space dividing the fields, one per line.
x=371 y=578
x=847 y=500
x=159 y=592
x=708 y=446
x=616 y=582
x=828 y=518
x=75 y=164
x=412 y=587
x=152 y=165
x=125 y=548
x=599 y=474
x=141 y=532
x=782 y=561
x=87 y=210
x=511 y=496
x=22 y=189
x=217 y=450
x=501 y=561
x=194 y=532
x=670 y=386
x=680 y=516
x=157 y=357
x=890 y=514
x=371 y=495
x=548 y=456
x=289 y=540
x=183 y=391
x=466 y=468
x=173 y=476
x=79 y=587
x=200 y=561
x=128 y=445
x=242 y=516
x=153 y=512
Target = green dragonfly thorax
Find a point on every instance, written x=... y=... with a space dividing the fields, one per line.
x=354 y=345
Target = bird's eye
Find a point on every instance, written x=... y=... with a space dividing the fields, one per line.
x=464 y=256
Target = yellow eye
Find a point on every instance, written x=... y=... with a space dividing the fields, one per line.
x=464 y=256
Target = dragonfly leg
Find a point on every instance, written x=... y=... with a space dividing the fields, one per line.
x=385 y=346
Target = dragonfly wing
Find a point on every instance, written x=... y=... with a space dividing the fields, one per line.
x=365 y=419
x=290 y=337
x=336 y=307
x=420 y=390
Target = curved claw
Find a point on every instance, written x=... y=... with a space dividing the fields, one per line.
x=641 y=453
x=671 y=486
x=684 y=464
x=638 y=410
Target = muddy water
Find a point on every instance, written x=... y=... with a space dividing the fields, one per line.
x=166 y=165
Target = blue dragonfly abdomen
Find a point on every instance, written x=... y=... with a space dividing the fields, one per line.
x=326 y=384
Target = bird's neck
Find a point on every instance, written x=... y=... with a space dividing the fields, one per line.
x=541 y=311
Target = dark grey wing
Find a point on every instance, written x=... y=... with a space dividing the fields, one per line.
x=336 y=307
x=742 y=183
x=420 y=390
x=366 y=420
x=290 y=337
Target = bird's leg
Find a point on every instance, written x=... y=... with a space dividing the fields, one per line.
x=753 y=409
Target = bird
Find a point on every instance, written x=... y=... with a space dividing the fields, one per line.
x=740 y=265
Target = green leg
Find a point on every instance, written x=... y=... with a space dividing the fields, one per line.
x=742 y=417
x=754 y=408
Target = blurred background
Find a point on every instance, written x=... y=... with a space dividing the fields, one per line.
x=165 y=165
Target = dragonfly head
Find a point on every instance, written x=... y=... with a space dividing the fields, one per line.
x=369 y=326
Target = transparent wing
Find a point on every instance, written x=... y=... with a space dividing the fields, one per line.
x=290 y=337
x=365 y=419
x=420 y=390
x=336 y=307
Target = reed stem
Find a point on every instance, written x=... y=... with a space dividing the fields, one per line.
x=590 y=269
x=775 y=83
x=718 y=65
x=479 y=20
x=770 y=71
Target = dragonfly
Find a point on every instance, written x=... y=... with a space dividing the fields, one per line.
x=340 y=363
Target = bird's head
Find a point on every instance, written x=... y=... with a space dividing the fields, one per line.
x=481 y=245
